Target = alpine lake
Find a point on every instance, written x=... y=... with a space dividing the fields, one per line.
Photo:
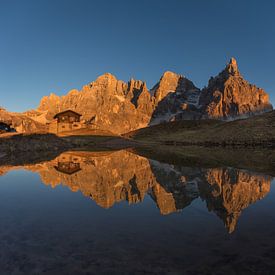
x=138 y=212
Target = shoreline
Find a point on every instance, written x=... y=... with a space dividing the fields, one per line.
x=50 y=142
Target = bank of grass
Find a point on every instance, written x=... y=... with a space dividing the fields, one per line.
x=254 y=131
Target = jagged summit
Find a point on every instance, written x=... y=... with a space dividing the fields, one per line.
x=171 y=82
x=233 y=62
x=104 y=80
x=232 y=67
x=229 y=95
x=168 y=74
x=124 y=106
x=105 y=76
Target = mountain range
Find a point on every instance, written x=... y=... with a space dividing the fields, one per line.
x=120 y=107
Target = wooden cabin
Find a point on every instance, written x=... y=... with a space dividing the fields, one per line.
x=68 y=116
x=66 y=121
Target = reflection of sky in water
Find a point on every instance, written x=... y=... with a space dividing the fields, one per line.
x=59 y=231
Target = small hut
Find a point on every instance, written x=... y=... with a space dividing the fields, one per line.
x=65 y=121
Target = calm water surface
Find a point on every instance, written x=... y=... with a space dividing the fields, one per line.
x=120 y=213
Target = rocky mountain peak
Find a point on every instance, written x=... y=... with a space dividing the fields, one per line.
x=135 y=84
x=170 y=75
x=105 y=79
x=170 y=82
x=47 y=102
x=232 y=67
x=233 y=61
x=73 y=92
x=229 y=95
x=53 y=96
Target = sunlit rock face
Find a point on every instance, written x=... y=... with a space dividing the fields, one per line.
x=113 y=177
x=22 y=123
x=174 y=95
x=228 y=191
x=117 y=106
x=120 y=107
x=229 y=95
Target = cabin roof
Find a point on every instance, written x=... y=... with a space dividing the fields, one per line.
x=67 y=111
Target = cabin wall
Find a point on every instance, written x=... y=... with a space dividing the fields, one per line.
x=56 y=127
x=64 y=127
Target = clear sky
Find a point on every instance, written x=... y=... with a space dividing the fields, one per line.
x=54 y=46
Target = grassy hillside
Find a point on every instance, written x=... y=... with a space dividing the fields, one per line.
x=254 y=131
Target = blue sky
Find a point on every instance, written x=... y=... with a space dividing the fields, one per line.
x=54 y=46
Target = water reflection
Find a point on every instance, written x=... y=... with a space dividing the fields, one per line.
x=112 y=177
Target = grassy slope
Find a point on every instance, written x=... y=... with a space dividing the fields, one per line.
x=257 y=130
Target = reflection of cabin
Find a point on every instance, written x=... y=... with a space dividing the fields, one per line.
x=4 y=127
x=66 y=121
x=68 y=164
x=68 y=167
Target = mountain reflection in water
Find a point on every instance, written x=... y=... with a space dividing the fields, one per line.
x=112 y=177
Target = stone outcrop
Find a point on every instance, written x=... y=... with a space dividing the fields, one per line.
x=230 y=96
x=173 y=95
x=116 y=106
x=22 y=123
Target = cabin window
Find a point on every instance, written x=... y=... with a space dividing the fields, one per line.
x=72 y=119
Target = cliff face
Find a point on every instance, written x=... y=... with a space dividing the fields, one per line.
x=22 y=123
x=173 y=95
x=112 y=177
x=121 y=107
x=116 y=106
x=230 y=96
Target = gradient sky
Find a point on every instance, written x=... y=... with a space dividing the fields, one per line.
x=54 y=46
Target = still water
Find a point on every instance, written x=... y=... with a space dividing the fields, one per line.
x=121 y=213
